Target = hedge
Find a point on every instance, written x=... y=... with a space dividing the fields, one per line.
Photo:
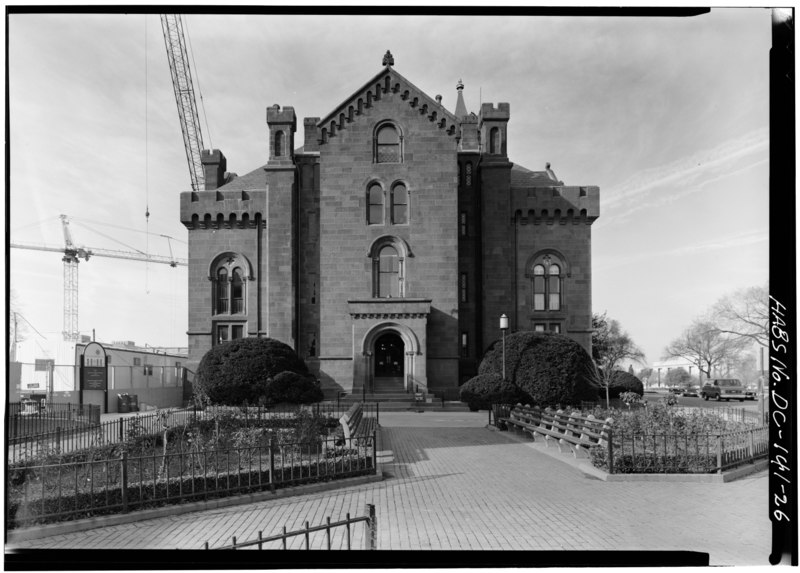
x=484 y=390
x=552 y=368
x=622 y=381
x=237 y=372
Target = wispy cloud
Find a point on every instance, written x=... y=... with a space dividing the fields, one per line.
x=732 y=241
x=668 y=183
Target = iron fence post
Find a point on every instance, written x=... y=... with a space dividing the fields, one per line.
x=121 y=430
x=58 y=439
x=272 y=463
x=610 y=451
x=378 y=413
x=752 y=446
x=719 y=453
x=372 y=534
x=124 y=482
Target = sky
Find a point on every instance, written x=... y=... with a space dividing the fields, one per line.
x=668 y=116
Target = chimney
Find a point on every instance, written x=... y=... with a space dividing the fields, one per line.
x=310 y=137
x=214 y=166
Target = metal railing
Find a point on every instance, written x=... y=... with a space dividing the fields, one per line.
x=120 y=482
x=628 y=452
x=370 y=540
x=30 y=418
x=72 y=438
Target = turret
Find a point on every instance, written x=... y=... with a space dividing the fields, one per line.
x=494 y=128
x=282 y=125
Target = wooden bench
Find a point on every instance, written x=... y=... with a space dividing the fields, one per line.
x=578 y=433
x=355 y=425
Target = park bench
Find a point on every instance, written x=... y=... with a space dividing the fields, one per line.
x=355 y=424
x=578 y=433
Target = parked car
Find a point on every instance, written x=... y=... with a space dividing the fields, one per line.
x=723 y=389
x=750 y=394
x=691 y=391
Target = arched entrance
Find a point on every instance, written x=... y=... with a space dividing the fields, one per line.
x=389 y=362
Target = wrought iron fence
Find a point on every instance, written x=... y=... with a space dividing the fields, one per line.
x=67 y=438
x=32 y=417
x=119 y=482
x=370 y=536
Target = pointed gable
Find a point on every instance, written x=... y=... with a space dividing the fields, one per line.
x=386 y=81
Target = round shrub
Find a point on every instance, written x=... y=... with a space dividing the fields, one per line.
x=484 y=390
x=622 y=381
x=237 y=371
x=293 y=388
x=551 y=368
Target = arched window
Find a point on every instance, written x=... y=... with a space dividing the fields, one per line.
x=388 y=273
x=399 y=204
x=387 y=144
x=494 y=140
x=375 y=205
x=222 y=291
x=237 y=292
x=546 y=278
x=278 y=151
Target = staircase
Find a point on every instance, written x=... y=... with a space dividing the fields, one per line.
x=392 y=396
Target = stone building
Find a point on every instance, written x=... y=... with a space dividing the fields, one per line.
x=385 y=245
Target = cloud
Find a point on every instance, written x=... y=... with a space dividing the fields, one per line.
x=685 y=176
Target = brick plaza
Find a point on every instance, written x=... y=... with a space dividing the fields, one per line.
x=452 y=484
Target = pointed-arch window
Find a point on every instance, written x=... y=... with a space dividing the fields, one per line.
x=278 y=152
x=547 y=285
x=387 y=144
x=375 y=205
x=399 y=204
x=388 y=273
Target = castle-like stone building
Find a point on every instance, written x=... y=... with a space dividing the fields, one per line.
x=385 y=247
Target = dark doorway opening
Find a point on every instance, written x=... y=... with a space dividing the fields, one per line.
x=389 y=356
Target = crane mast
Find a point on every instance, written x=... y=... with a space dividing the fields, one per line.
x=172 y=26
x=72 y=255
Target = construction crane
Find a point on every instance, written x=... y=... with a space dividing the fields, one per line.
x=172 y=26
x=73 y=254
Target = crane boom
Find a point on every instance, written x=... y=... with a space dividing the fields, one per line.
x=73 y=254
x=172 y=26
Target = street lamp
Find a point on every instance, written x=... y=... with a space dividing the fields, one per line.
x=504 y=327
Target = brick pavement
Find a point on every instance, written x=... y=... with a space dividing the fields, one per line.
x=452 y=484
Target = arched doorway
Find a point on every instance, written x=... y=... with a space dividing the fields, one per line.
x=389 y=362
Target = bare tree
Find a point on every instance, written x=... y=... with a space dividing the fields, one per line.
x=610 y=347
x=705 y=346
x=744 y=314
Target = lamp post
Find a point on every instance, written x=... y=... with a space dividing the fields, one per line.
x=503 y=328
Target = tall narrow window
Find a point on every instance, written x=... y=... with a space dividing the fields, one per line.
x=237 y=292
x=468 y=173
x=463 y=223
x=538 y=288
x=463 y=287
x=464 y=345
x=554 y=288
x=375 y=208
x=494 y=141
x=222 y=290
x=388 y=273
x=399 y=204
x=547 y=287
x=278 y=151
x=387 y=148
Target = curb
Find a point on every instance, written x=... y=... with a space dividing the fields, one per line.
x=42 y=531
x=588 y=470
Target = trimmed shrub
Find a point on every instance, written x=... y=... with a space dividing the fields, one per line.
x=292 y=388
x=551 y=368
x=622 y=381
x=484 y=390
x=237 y=372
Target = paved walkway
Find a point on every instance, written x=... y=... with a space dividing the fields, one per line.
x=453 y=484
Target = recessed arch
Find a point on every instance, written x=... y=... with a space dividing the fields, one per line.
x=406 y=334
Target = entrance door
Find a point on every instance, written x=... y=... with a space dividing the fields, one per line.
x=389 y=362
